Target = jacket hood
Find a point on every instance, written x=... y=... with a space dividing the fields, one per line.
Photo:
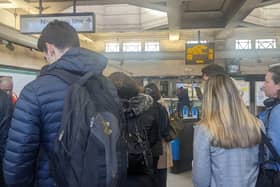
x=137 y=105
x=80 y=61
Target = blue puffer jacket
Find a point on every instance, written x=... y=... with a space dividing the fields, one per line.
x=36 y=120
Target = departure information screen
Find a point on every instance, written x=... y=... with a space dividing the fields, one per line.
x=199 y=53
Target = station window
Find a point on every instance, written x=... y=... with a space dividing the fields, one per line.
x=243 y=44
x=265 y=44
x=152 y=46
x=112 y=47
x=132 y=47
x=196 y=42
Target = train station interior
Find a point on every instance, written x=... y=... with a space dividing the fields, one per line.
x=155 y=41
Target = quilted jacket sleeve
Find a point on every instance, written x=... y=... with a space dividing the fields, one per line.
x=5 y=118
x=23 y=140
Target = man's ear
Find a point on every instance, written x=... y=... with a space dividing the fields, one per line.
x=278 y=87
x=50 y=48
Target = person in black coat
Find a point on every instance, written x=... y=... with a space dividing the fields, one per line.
x=141 y=107
x=6 y=110
x=167 y=133
x=183 y=99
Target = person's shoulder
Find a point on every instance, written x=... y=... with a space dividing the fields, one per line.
x=35 y=84
x=202 y=130
x=276 y=110
x=277 y=107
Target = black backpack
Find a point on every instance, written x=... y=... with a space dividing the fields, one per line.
x=90 y=148
x=140 y=157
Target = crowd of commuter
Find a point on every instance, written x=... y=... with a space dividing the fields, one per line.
x=73 y=127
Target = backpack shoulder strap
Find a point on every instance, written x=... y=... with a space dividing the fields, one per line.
x=64 y=75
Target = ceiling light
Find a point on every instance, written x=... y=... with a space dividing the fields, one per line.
x=7 y=5
x=174 y=36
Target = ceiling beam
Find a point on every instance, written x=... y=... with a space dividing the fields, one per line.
x=246 y=8
x=156 y=1
x=56 y=7
x=267 y=3
x=206 y=19
x=16 y=37
x=25 y=6
x=148 y=5
x=81 y=3
x=174 y=14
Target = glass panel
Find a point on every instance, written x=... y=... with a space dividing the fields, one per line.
x=152 y=46
x=132 y=47
x=265 y=44
x=243 y=44
x=112 y=47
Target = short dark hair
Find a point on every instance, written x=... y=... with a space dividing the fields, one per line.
x=126 y=86
x=59 y=33
x=6 y=78
x=275 y=70
x=152 y=90
x=213 y=69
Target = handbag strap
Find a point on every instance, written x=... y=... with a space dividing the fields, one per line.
x=267 y=142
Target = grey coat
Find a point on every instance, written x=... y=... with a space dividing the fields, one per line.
x=218 y=167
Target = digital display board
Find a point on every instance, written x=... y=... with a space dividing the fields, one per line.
x=199 y=53
x=233 y=68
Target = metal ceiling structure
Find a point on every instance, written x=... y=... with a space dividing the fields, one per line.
x=225 y=15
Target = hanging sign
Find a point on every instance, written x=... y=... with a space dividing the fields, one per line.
x=34 y=24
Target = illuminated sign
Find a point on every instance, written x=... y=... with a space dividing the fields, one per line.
x=32 y=24
x=199 y=53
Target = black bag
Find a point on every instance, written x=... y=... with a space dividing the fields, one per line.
x=268 y=177
x=140 y=157
x=176 y=121
x=167 y=130
x=89 y=150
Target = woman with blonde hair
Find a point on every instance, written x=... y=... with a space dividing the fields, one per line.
x=226 y=139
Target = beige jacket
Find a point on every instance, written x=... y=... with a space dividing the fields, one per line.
x=165 y=160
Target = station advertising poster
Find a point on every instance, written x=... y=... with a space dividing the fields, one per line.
x=34 y=24
x=260 y=96
x=244 y=90
x=20 y=77
x=199 y=53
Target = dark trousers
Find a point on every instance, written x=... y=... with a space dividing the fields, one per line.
x=161 y=177
x=143 y=179
x=140 y=181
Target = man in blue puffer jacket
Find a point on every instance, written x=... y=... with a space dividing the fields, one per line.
x=38 y=110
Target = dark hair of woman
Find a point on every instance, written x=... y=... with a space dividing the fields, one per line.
x=152 y=90
x=275 y=70
x=126 y=86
